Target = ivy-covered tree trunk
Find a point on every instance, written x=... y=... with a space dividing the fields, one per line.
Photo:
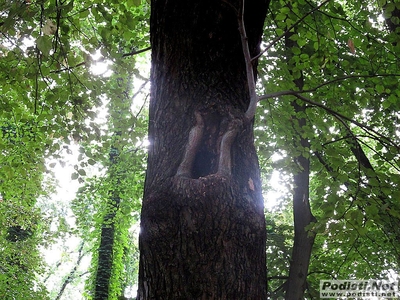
x=202 y=223
x=107 y=241
x=109 y=277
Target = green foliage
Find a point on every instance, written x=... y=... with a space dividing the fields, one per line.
x=21 y=168
x=279 y=245
x=113 y=201
x=50 y=100
x=95 y=201
x=349 y=62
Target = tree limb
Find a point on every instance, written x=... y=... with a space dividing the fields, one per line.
x=331 y=111
x=195 y=136
x=251 y=110
x=283 y=93
x=71 y=275
x=136 y=52
x=84 y=62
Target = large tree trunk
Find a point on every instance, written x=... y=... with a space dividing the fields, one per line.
x=202 y=223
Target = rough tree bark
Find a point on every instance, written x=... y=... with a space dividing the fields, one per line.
x=202 y=222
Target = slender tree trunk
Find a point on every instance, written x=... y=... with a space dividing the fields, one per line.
x=303 y=241
x=202 y=223
x=302 y=214
x=105 y=261
x=108 y=281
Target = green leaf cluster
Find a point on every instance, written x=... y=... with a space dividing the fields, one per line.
x=348 y=59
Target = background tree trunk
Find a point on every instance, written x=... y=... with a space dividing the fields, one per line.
x=302 y=215
x=107 y=240
x=202 y=230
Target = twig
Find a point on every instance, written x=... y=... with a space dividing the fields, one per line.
x=68 y=68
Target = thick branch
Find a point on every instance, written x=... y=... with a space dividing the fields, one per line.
x=195 y=137
x=225 y=157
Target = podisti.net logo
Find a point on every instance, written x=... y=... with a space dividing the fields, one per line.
x=359 y=289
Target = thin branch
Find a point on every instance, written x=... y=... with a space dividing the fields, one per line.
x=78 y=12
x=347 y=77
x=84 y=62
x=337 y=114
x=359 y=30
x=314 y=89
x=331 y=111
x=277 y=277
x=71 y=275
x=347 y=254
x=251 y=110
x=50 y=274
x=68 y=68
x=277 y=39
x=366 y=260
x=322 y=272
x=145 y=100
x=380 y=155
x=136 y=52
x=336 y=140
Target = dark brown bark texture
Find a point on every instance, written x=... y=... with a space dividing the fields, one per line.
x=202 y=223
